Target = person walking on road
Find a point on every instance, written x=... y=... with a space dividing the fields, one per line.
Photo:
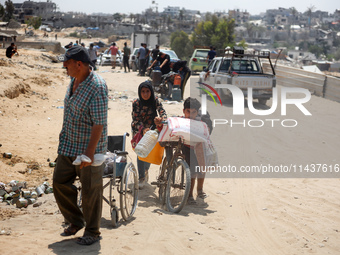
x=145 y=111
x=93 y=56
x=84 y=133
x=113 y=50
x=127 y=53
x=142 y=59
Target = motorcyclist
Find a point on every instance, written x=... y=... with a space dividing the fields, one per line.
x=164 y=60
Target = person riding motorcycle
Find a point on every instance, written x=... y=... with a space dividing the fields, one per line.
x=164 y=60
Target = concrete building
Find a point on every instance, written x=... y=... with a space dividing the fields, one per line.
x=240 y=17
x=31 y=8
x=300 y=55
x=171 y=11
x=271 y=15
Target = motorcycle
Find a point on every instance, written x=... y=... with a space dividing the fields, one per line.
x=162 y=84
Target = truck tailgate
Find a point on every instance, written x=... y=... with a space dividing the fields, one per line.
x=257 y=82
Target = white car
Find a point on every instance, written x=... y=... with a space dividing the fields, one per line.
x=105 y=58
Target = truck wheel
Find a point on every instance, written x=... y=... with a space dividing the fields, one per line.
x=262 y=101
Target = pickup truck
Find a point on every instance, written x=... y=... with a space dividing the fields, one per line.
x=241 y=70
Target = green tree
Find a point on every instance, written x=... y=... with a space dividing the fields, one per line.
x=181 y=44
x=117 y=16
x=35 y=22
x=309 y=13
x=2 y=11
x=243 y=44
x=214 y=31
x=336 y=42
x=315 y=49
x=337 y=55
x=9 y=10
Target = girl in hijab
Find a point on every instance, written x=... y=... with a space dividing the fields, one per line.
x=144 y=113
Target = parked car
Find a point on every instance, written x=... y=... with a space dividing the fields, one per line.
x=198 y=60
x=105 y=58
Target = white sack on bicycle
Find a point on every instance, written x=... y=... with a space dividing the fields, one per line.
x=191 y=131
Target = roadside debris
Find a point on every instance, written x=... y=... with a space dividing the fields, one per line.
x=17 y=193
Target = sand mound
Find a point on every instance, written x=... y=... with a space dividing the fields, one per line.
x=16 y=91
x=6 y=62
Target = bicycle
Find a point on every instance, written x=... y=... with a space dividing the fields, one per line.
x=174 y=179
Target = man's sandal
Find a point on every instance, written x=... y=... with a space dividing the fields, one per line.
x=202 y=195
x=87 y=240
x=71 y=230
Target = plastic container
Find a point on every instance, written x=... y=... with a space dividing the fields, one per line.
x=176 y=94
x=177 y=80
x=146 y=144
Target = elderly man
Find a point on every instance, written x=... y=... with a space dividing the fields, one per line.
x=84 y=133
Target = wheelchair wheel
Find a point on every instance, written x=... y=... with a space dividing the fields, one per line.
x=114 y=217
x=178 y=187
x=129 y=191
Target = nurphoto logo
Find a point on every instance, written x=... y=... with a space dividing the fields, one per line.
x=238 y=105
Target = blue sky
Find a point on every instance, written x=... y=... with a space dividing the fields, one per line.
x=137 y=6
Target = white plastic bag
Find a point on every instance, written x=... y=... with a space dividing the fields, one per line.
x=98 y=159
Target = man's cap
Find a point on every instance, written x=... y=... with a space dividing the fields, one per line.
x=77 y=53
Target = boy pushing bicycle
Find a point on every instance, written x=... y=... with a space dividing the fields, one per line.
x=191 y=109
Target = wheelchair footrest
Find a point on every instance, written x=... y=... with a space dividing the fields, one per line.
x=121 y=153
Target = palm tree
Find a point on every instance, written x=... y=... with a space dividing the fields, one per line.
x=309 y=12
x=293 y=11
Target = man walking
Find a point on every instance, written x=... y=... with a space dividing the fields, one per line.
x=142 y=59
x=93 y=55
x=84 y=133
x=126 y=57
x=114 y=50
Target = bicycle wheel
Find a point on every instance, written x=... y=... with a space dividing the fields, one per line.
x=162 y=183
x=128 y=191
x=178 y=187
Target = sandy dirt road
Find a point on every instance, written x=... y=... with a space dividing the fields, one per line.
x=240 y=216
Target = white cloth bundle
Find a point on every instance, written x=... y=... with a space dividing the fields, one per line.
x=98 y=159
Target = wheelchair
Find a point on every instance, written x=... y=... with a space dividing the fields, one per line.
x=122 y=175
